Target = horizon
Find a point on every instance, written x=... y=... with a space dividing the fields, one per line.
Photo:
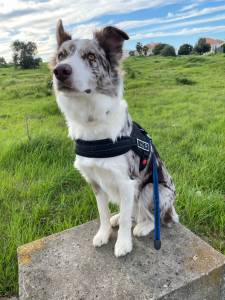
x=173 y=21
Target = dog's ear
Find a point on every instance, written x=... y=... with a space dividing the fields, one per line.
x=111 y=39
x=61 y=35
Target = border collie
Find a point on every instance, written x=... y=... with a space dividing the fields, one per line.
x=88 y=85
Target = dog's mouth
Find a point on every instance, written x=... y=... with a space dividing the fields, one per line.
x=65 y=87
x=70 y=89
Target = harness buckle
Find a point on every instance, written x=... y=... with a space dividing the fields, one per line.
x=143 y=145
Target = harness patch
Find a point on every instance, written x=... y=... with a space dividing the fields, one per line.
x=143 y=145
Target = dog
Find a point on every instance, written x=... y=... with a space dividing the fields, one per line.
x=88 y=85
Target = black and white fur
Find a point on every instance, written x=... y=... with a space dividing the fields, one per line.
x=88 y=86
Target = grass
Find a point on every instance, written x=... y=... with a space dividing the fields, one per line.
x=180 y=101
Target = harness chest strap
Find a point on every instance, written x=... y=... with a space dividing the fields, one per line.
x=138 y=141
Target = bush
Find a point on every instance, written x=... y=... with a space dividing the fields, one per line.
x=37 y=62
x=223 y=48
x=184 y=81
x=185 y=49
x=158 y=48
x=168 y=51
x=202 y=47
x=164 y=50
x=139 y=48
x=131 y=53
x=145 y=50
x=2 y=61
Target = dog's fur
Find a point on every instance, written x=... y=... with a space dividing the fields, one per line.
x=91 y=99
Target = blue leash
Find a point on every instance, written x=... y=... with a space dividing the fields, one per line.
x=157 y=241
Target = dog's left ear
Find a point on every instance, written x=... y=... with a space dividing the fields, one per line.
x=111 y=39
x=61 y=35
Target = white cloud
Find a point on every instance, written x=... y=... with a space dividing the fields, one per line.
x=133 y=24
x=198 y=13
x=188 y=7
x=190 y=23
x=170 y=15
x=184 y=31
x=36 y=20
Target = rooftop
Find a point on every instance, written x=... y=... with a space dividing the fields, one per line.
x=214 y=41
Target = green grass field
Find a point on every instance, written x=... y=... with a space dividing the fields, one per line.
x=180 y=101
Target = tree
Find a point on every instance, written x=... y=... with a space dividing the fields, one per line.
x=168 y=50
x=223 y=48
x=131 y=53
x=202 y=46
x=139 y=48
x=37 y=61
x=23 y=54
x=2 y=61
x=158 y=48
x=145 y=50
x=185 y=49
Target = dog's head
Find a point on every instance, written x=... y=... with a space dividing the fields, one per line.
x=88 y=66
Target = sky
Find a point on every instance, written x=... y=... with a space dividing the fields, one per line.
x=168 y=21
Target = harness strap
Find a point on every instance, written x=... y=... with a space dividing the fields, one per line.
x=138 y=141
x=104 y=148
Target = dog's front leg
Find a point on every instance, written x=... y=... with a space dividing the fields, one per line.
x=105 y=230
x=124 y=240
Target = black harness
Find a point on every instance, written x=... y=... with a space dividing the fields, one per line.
x=139 y=142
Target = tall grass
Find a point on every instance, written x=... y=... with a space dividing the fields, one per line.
x=180 y=101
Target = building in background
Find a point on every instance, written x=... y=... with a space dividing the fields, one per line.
x=151 y=46
x=216 y=45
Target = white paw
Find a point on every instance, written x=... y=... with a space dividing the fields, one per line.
x=143 y=229
x=175 y=217
x=114 y=220
x=101 y=238
x=123 y=247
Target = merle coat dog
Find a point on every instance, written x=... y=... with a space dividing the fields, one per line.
x=88 y=85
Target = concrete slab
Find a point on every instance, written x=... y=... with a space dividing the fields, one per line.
x=67 y=266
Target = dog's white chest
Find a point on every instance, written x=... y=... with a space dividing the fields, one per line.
x=108 y=173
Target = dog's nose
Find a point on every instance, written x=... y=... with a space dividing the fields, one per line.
x=62 y=72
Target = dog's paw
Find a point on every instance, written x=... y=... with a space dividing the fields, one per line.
x=143 y=229
x=175 y=216
x=123 y=247
x=114 y=220
x=101 y=237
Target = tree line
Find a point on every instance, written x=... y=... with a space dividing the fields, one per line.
x=163 y=49
x=24 y=55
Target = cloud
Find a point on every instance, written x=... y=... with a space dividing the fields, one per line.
x=36 y=20
x=131 y=24
x=188 y=7
x=190 y=23
x=199 y=12
x=184 y=31
x=171 y=18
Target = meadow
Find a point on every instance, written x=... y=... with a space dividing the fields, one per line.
x=180 y=101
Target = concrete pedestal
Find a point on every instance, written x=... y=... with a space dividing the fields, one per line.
x=67 y=266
